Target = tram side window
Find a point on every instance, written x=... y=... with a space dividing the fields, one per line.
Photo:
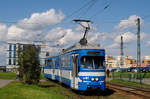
x=63 y=61
x=49 y=62
x=54 y=64
x=68 y=62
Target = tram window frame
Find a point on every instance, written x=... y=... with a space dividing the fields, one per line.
x=56 y=63
x=77 y=64
x=67 y=62
x=53 y=65
x=49 y=61
x=63 y=60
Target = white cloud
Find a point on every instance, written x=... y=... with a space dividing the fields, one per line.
x=30 y=28
x=55 y=34
x=14 y=32
x=39 y=21
x=3 y=32
x=148 y=43
x=128 y=37
x=129 y=23
x=2 y=54
x=60 y=36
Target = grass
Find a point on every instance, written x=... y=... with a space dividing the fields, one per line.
x=11 y=75
x=18 y=90
x=128 y=74
x=7 y=75
x=130 y=83
x=48 y=90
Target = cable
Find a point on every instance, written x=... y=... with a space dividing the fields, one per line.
x=77 y=11
x=99 y=12
x=89 y=7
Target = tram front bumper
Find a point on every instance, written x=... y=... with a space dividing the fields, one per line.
x=83 y=86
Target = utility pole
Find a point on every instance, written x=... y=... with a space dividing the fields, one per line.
x=138 y=44
x=138 y=48
x=121 y=59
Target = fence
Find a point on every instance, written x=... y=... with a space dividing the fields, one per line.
x=138 y=77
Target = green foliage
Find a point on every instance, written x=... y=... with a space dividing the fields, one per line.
x=29 y=67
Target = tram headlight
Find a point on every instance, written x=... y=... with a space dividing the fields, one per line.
x=92 y=79
x=96 y=79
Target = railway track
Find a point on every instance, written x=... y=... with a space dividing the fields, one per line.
x=142 y=92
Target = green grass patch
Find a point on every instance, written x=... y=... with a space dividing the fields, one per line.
x=128 y=74
x=42 y=76
x=130 y=83
x=45 y=90
x=7 y=75
x=18 y=90
x=11 y=75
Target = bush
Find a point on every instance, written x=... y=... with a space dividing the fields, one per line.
x=29 y=67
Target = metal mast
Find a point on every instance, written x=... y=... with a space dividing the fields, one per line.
x=138 y=44
x=122 y=54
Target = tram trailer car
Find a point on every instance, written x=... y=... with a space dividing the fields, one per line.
x=79 y=67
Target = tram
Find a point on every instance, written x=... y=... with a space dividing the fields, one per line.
x=81 y=66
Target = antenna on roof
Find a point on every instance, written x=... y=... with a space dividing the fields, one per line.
x=83 y=41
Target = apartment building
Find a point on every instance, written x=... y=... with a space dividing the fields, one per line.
x=12 y=57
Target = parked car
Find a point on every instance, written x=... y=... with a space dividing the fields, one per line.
x=124 y=69
x=113 y=70
x=116 y=70
x=146 y=69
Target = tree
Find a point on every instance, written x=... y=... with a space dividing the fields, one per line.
x=29 y=67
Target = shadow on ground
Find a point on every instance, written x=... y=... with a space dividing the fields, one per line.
x=95 y=92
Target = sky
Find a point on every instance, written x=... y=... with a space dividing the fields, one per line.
x=51 y=21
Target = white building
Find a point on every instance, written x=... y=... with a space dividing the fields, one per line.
x=12 y=58
x=146 y=57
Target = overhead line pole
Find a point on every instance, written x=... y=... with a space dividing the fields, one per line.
x=139 y=48
x=121 y=60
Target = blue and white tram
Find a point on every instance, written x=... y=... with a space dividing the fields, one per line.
x=79 y=67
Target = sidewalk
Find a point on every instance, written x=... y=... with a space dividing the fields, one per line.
x=4 y=82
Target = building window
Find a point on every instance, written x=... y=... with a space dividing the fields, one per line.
x=14 y=54
x=10 y=54
x=14 y=61
x=10 y=46
x=9 y=62
x=14 y=47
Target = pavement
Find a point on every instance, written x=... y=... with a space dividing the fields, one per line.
x=4 y=82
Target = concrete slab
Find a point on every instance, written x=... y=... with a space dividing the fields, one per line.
x=4 y=82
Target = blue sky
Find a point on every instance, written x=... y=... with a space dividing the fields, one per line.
x=18 y=18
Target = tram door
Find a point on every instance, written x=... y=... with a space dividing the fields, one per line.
x=61 y=65
x=54 y=63
x=74 y=69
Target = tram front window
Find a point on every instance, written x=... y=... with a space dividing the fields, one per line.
x=92 y=62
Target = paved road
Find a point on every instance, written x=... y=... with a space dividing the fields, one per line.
x=4 y=82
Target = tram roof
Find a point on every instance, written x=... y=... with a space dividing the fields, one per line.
x=78 y=46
